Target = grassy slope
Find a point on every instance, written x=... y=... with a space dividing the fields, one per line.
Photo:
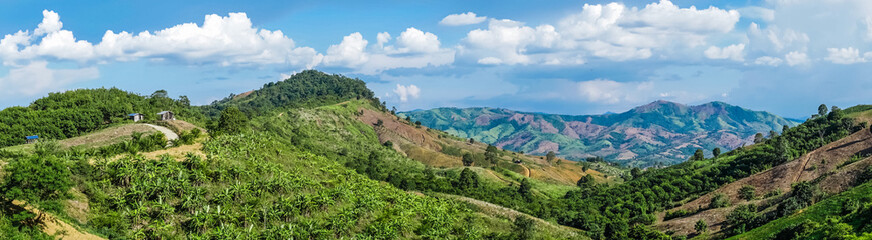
x=819 y=212
x=334 y=131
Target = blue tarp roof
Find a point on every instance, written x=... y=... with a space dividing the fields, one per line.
x=32 y=137
x=133 y=114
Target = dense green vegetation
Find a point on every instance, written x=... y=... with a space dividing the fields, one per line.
x=73 y=113
x=845 y=216
x=292 y=160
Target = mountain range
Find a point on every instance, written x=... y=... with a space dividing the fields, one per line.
x=658 y=133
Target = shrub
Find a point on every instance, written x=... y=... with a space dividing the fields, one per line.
x=747 y=192
x=719 y=200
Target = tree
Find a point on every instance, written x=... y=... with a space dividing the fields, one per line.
x=490 y=154
x=822 y=110
x=701 y=227
x=471 y=140
x=36 y=178
x=716 y=152
x=418 y=124
x=698 y=155
x=184 y=101
x=468 y=179
x=747 y=192
x=742 y=217
x=635 y=172
x=160 y=94
x=232 y=121
x=718 y=201
x=772 y=134
x=525 y=189
x=550 y=156
x=467 y=159
x=524 y=227
x=586 y=181
x=784 y=129
x=758 y=138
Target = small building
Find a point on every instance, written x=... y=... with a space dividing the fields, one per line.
x=166 y=116
x=136 y=117
x=32 y=139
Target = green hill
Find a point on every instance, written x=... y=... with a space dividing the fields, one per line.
x=318 y=157
x=656 y=134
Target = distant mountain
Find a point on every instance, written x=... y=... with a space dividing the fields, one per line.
x=659 y=133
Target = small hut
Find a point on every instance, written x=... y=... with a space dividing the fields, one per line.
x=166 y=116
x=136 y=117
x=32 y=139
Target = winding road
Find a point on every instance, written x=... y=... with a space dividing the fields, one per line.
x=166 y=131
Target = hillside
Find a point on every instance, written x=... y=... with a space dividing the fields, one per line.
x=317 y=157
x=659 y=133
x=277 y=171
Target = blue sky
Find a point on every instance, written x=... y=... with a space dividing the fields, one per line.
x=570 y=57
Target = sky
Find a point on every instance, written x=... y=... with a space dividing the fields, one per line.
x=567 y=57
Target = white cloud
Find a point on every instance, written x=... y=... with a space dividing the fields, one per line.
x=414 y=40
x=229 y=40
x=382 y=38
x=733 y=52
x=508 y=41
x=611 y=31
x=796 y=58
x=776 y=40
x=462 y=19
x=37 y=78
x=611 y=92
x=767 y=60
x=844 y=56
x=406 y=92
x=413 y=49
x=350 y=52
x=51 y=22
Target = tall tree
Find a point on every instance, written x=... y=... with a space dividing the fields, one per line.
x=550 y=156
x=758 y=138
x=716 y=152
x=698 y=155
x=586 y=181
x=491 y=154
x=822 y=110
x=468 y=180
x=232 y=121
x=467 y=159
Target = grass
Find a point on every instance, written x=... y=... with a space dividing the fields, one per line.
x=104 y=137
x=819 y=212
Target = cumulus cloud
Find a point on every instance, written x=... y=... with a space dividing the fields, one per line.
x=844 y=56
x=610 y=31
x=224 y=40
x=611 y=92
x=350 y=52
x=733 y=52
x=796 y=58
x=406 y=92
x=468 y=18
x=413 y=49
x=414 y=40
x=769 y=61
